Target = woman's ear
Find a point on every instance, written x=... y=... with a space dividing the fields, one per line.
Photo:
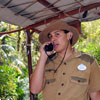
x=69 y=35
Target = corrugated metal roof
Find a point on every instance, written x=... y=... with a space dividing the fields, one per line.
x=40 y=12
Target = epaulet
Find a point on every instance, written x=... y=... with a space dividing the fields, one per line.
x=86 y=57
x=51 y=58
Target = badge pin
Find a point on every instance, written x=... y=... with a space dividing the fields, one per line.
x=82 y=67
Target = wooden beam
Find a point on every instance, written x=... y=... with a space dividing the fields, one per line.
x=20 y=4
x=29 y=59
x=8 y=2
x=98 y=13
x=35 y=30
x=26 y=7
x=62 y=15
x=48 y=5
x=1 y=33
x=76 y=24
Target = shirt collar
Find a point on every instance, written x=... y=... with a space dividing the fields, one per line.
x=76 y=53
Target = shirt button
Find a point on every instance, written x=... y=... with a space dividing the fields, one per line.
x=64 y=63
x=49 y=70
x=64 y=73
x=78 y=80
x=48 y=82
x=59 y=93
x=62 y=84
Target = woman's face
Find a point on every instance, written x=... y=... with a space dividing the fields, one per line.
x=59 y=39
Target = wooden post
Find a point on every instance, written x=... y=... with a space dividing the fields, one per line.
x=29 y=59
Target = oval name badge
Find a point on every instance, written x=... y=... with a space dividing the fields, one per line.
x=81 y=67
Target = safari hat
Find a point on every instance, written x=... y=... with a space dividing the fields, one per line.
x=58 y=25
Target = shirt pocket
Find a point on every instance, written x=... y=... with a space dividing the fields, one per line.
x=49 y=76
x=80 y=78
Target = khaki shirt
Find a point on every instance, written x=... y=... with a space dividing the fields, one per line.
x=75 y=78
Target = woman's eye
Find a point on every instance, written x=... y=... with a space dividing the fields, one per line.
x=49 y=36
x=57 y=34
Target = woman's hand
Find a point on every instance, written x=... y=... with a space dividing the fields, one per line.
x=43 y=52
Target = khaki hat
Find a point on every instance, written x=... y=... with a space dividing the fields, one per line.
x=58 y=25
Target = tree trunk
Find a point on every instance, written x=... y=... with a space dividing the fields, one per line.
x=18 y=42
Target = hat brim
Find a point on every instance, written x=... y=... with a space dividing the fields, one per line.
x=58 y=25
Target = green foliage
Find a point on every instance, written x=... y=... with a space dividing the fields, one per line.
x=25 y=88
x=13 y=72
x=12 y=85
x=8 y=83
x=4 y=29
x=40 y=96
x=90 y=41
x=14 y=81
x=35 y=49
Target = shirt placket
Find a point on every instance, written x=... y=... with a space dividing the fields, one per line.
x=62 y=80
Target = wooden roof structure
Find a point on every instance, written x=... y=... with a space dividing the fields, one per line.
x=38 y=13
x=35 y=15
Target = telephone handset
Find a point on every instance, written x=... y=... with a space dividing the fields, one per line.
x=49 y=47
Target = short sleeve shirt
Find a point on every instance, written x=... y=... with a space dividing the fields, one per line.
x=77 y=76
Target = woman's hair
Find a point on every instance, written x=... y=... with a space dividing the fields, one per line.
x=66 y=31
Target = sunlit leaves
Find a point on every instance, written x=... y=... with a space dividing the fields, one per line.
x=90 y=42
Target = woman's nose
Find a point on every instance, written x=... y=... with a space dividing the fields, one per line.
x=53 y=39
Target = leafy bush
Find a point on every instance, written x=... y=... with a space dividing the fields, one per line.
x=91 y=48
x=10 y=85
